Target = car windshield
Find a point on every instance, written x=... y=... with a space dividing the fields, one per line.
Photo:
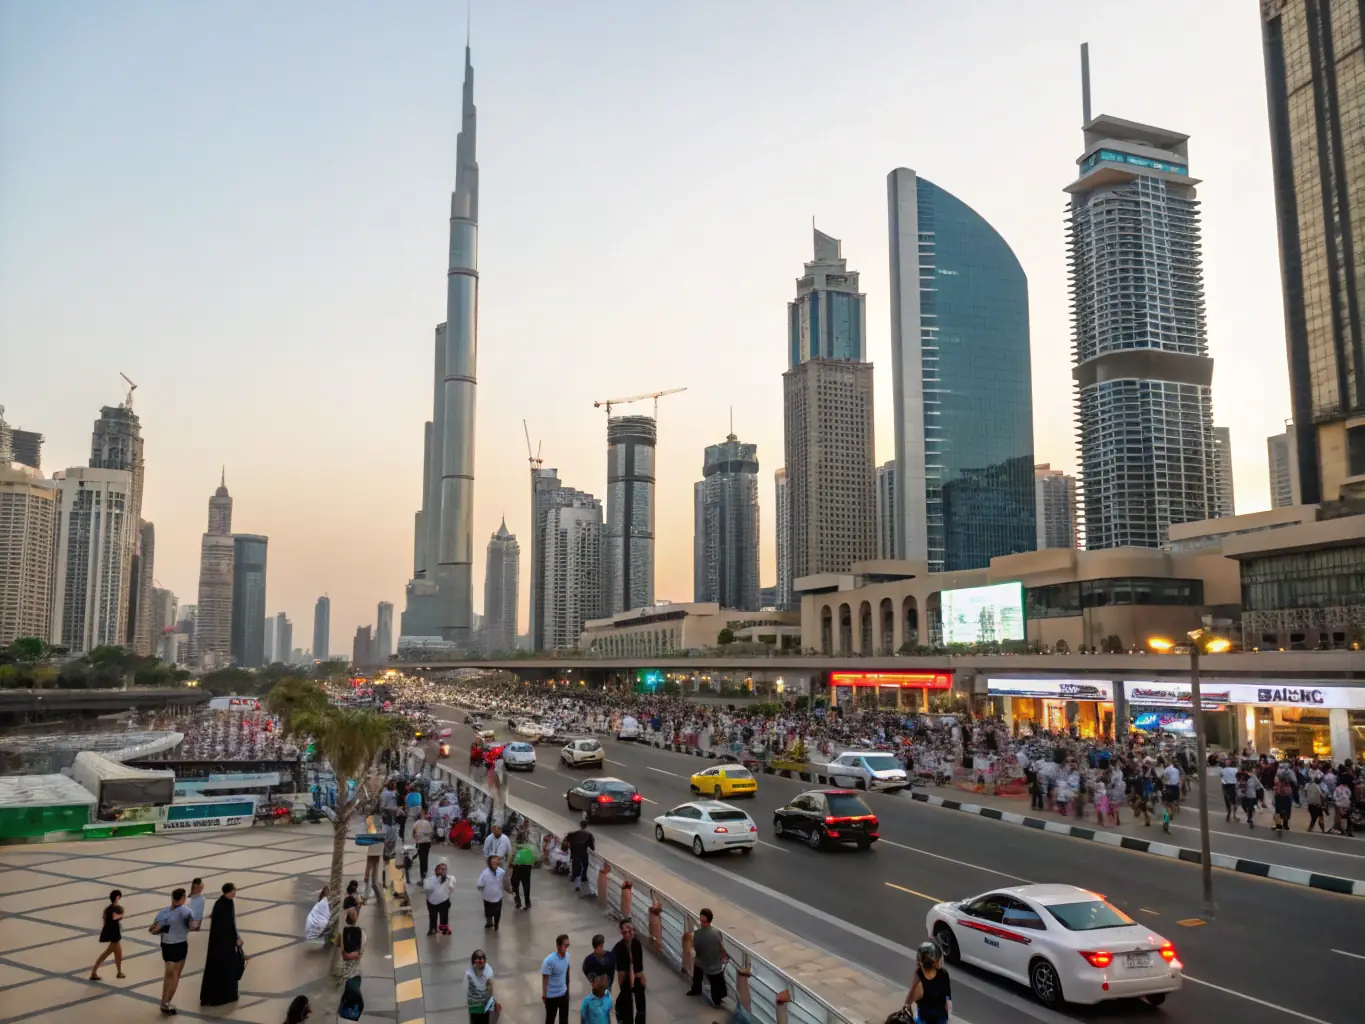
x=519 y=748
x=618 y=788
x=590 y=745
x=846 y=805
x=1088 y=916
x=729 y=816
x=881 y=762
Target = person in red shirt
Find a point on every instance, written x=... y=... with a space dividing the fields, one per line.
x=462 y=834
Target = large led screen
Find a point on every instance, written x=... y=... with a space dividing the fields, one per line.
x=983 y=615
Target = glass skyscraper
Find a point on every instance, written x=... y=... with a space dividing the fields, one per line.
x=963 y=383
x=248 y=599
x=726 y=515
x=1142 y=369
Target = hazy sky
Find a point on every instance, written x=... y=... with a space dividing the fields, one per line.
x=244 y=207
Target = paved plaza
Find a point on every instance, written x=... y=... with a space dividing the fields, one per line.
x=52 y=896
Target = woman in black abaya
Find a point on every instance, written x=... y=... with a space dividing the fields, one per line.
x=223 y=964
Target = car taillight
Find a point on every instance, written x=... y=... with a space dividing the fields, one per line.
x=1168 y=951
x=722 y=828
x=1099 y=958
x=872 y=823
x=636 y=798
x=604 y=799
x=753 y=828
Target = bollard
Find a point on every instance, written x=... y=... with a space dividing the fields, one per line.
x=625 y=898
x=602 y=885
x=783 y=998
x=742 y=972
x=656 y=925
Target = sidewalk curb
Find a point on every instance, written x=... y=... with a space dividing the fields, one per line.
x=1261 y=869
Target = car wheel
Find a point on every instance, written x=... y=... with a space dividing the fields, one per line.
x=814 y=840
x=1047 y=987
x=746 y=850
x=947 y=943
x=697 y=849
x=569 y=801
x=659 y=833
x=1156 y=998
x=865 y=844
x=861 y=784
x=695 y=790
x=777 y=828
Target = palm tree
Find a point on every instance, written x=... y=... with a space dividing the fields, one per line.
x=349 y=740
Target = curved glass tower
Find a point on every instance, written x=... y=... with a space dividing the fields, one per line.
x=963 y=384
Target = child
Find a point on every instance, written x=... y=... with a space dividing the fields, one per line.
x=596 y=1007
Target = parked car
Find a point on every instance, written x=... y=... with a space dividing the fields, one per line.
x=707 y=826
x=629 y=729
x=1065 y=943
x=724 y=781
x=867 y=769
x=577 y=753
x=519 y=756
x=605 y=799
x=825 y=817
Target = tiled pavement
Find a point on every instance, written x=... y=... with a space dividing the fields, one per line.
x=52 y=896
x=515 y=952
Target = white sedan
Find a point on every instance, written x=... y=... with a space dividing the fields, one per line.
x=583 y=752
x=519 y=757
x=707 y=826
x=1065 y=943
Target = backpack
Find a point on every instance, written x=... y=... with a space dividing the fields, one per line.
x=352 y=1002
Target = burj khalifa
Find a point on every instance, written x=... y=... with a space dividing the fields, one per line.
x=440 y=595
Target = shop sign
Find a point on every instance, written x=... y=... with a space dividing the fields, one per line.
x=1268 y=693
x=1052 y=689
x=205 y=824
x=928 y=680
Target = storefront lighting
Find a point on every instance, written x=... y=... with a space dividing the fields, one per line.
x=1160 y=644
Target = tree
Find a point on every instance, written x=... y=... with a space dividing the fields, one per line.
x=727 y=636
x=349 y=740
x=28 y=650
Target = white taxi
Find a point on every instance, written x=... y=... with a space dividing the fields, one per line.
x=1066 y=943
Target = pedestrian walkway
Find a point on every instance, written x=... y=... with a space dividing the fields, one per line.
x=54 y=894
x=516 y=950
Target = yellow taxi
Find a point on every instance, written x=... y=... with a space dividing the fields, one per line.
x=725 y=780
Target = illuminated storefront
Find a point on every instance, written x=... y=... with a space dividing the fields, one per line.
x=898 y=691
x=1057 y=704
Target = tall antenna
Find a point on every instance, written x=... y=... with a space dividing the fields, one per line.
x=1085 y=82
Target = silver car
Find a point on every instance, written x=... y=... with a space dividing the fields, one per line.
x=578 y=753
x=519 y=757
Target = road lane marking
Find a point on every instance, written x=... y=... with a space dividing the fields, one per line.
x=1192 y=922
x=662 y=772
x=648 y=800
x=954 y=860
x=1152 y=912
x=1344 y=953
x=1259 y=1002
x=914 y=892
x=530 y=783
x=619 y=764
x=780 y=849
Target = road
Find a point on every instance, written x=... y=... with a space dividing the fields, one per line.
x=1274 y=952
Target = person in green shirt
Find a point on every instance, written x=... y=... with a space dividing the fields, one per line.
x=523 y=860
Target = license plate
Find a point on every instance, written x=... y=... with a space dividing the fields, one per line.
x=1137 y=960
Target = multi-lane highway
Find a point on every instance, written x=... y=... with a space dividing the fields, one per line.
x=1273 y=952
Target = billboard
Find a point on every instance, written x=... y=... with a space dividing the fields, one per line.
x=929 y=680
x=983 y=615
x=1051 y=689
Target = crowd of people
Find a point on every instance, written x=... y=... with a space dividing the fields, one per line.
x=212 y=735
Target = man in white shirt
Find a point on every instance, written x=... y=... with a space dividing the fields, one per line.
x=1228 y=777
x=497 y=845
x=490 y=886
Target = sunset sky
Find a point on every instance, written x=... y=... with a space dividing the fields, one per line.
x=243 y=206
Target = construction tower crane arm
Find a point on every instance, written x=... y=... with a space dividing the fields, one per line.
x=535 y=460
x=656 y=395
x=128 y=402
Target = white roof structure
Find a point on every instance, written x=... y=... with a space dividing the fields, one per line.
x=42 y=791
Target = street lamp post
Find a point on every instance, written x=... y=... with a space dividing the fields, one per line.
x=1202 y=777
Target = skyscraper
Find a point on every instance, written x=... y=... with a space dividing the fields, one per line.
x=28 y=516
x=500 y=595
x=322 y=628
x=886 y=510
x=782 y=516
x=90 y=581
x=1225 y=503
x=213 y=620
x=962 y=382
x=284 y=639
x=269 y=647
x=729 y=518
x=141 y=604
x=571 y=583
x=6 y=440
x=362 y=647
x=1142 y=370
x=248 y=599
x=827 y=407
x=1055 y=497
x=628 y=533
x=116 y=443
x=1284 y=468
x=444 y=550
x=1315 y=88
x=27 y=447
x=165 y=612
x=698 y=540
x=383 y=632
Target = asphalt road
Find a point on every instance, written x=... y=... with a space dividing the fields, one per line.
x=1273 y=953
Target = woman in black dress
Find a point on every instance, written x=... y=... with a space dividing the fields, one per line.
x=112 y=934
x=224 y=959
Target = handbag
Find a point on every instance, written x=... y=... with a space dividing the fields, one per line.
x=352 y=1002
x=241 y=962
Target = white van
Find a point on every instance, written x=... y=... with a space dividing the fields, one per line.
x=867 y=769
x=629 y=729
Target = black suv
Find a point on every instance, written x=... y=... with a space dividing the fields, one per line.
x=825 y=817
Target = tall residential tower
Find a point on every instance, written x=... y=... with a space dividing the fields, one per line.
x=727 y=511
x=116 y=443
x=213 y=620
x=500 y=592
x=628 y=532
x=248 y=599
x=322 y=628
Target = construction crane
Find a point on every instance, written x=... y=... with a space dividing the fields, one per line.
x=535 y=460
x=656 y=395
x=128 y=402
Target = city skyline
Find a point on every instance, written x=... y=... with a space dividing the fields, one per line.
x=323 y=550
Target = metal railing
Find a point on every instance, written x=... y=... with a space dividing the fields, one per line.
x=768 y=994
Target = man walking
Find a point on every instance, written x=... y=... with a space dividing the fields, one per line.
x=554 y=982
x=422 y=833
x=173 y=924
x=708 y=959
x=497 y=845
x=522 y=863
x=629 y=957
x=196 y=900
x=490 y=888
x=580 y=842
